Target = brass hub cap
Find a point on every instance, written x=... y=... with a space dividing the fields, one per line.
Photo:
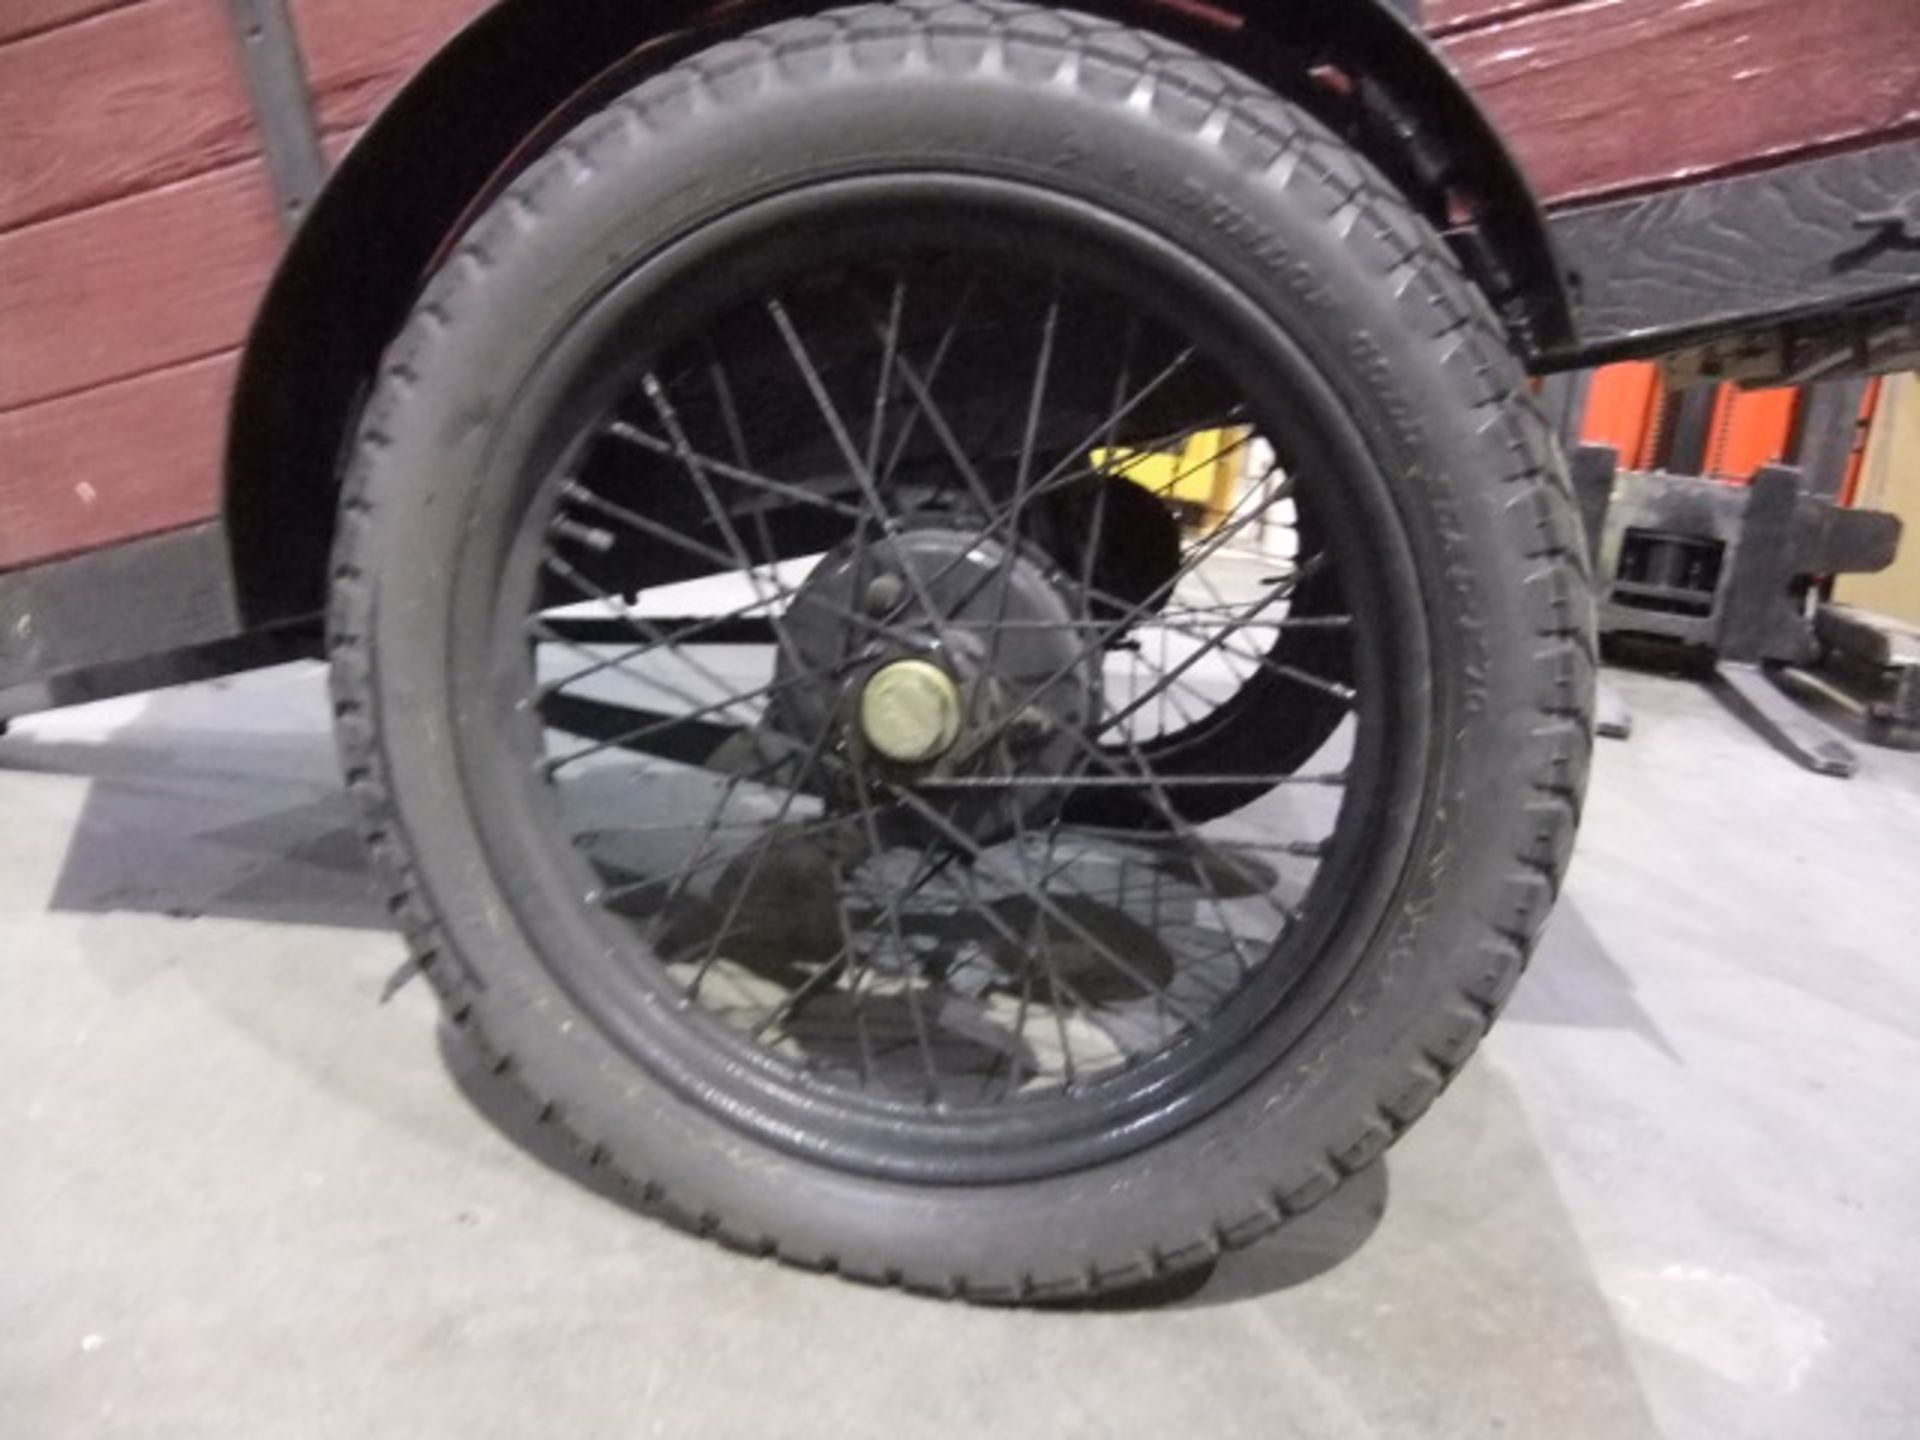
x=910 y=711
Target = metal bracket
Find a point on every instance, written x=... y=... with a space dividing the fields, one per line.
x=277 y=81
x=59 y=634
x=1899 y=225
x=1750 y=692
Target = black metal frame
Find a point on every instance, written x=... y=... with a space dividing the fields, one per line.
x=1825 y=432
x=152 y=612
x=1869 y=668
x=1819 y=242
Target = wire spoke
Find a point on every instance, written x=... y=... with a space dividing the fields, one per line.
x=738 y=473
x=1115 y=628
x=728 y=922
x=935 y=363
x=1160 y=716
x=983 y=861
x=930 y=411
x=718 y=559
x=922 y=1039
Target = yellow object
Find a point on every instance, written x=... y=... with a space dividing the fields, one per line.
x=1203 y=473
x=1890 y=480
x=910 y=711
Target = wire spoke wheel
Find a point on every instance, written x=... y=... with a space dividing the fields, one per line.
x=973 y=719
x=874 y=637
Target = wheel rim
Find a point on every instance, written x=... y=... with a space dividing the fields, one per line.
x=748 y=525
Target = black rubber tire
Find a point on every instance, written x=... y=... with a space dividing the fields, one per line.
x=1212 y=161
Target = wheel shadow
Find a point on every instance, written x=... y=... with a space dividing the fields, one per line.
x=1575 y=982
x=220 y=800
x=188 y=814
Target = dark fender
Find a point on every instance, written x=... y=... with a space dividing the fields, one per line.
x=526 y=69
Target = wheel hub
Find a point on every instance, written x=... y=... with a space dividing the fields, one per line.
x=942 y=661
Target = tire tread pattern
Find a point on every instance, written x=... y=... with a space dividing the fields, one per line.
x=1436 y=298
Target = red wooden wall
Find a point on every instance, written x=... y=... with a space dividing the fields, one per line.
x=137 y=230
x=137 y=233
x=1604 y=96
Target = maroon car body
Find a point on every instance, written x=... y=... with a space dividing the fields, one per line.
x=213 y=217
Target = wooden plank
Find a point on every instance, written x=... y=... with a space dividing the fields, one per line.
x=1608 y=96
x=128 y=459
x=337 y=144
x=134 y=99
x=359 y=52
x=1597 y=96
x=30 y=17
x=1442 y=17
x=129 y=287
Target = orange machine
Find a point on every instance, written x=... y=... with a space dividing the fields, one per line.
x=1630 y=407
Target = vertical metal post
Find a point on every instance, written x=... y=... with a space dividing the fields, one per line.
x=1690 y=431
x=1757 y=610
x=1593 y=468
x=1564 y=397
x=277 y=81
x=1828 y=425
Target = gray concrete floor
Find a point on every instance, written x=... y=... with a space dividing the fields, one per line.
x=1678 y=1195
